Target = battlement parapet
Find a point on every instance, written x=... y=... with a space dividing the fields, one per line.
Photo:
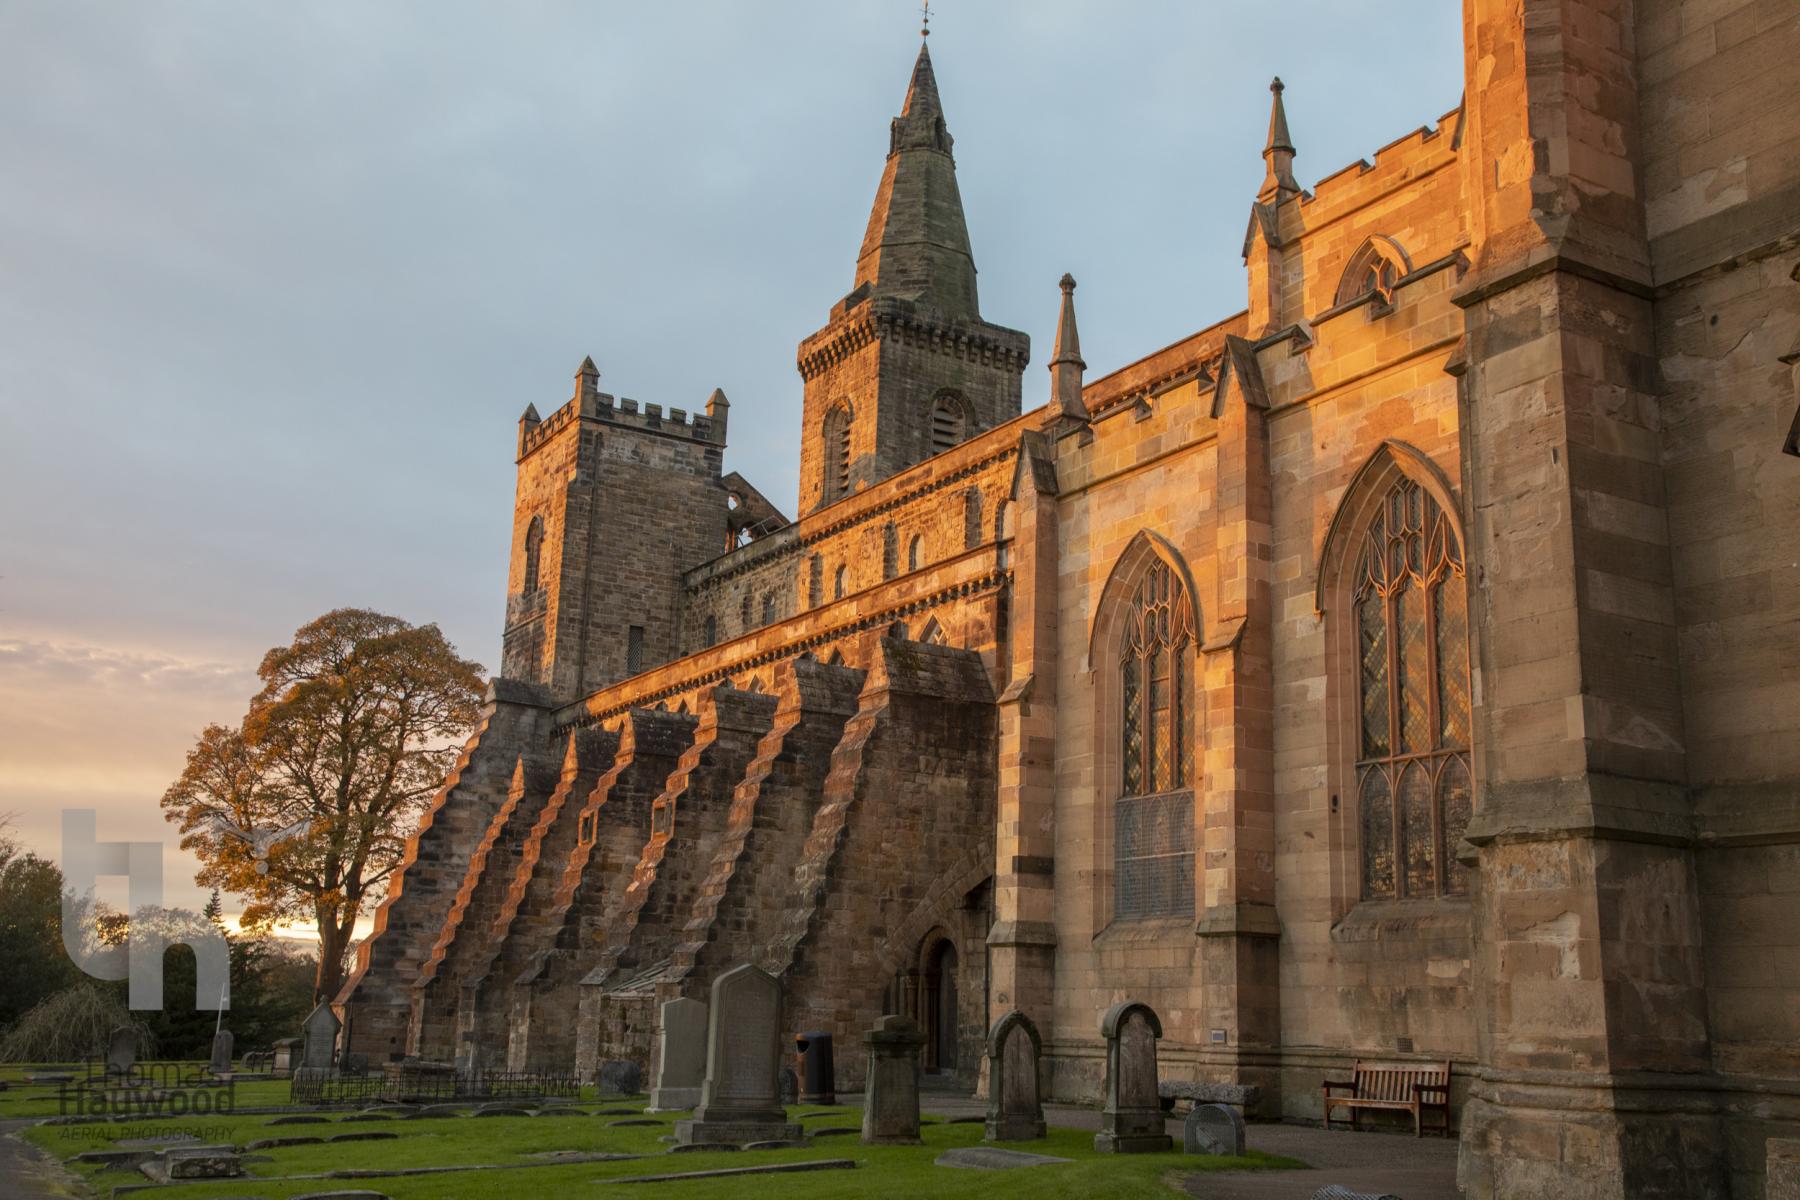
x=622 y=413
x=1405 y=158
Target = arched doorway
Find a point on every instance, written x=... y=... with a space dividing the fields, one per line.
x=940 y=1008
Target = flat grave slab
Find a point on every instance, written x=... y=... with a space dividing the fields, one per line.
x=993 y=1158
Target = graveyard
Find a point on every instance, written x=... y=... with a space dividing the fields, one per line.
x=729 y=1109
x=583 y=1143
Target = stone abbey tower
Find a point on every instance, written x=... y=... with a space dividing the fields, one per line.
x=1404 y=667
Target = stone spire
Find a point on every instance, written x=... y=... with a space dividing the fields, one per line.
x=917 y=244
x=1066 y=365
x=1279 y=153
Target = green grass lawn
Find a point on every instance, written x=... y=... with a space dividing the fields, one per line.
x=438 y=1142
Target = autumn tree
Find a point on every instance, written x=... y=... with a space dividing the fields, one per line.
x=304 y=808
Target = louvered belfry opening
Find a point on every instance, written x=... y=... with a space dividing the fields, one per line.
x=1414 y=787
x=949 y=423
x=1153 y=820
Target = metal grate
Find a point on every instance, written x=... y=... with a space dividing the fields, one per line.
x=1153 y=855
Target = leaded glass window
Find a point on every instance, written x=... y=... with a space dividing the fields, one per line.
x=1413 y=784
x=1153 y=827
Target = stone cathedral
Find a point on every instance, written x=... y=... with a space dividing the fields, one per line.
x=1405 y=667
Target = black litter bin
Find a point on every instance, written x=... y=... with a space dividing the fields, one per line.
x=818 y=1077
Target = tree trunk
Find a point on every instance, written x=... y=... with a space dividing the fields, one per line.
x=333 y=941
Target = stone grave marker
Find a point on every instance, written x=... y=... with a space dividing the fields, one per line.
x=1015 y=1106
x=285 y=1056
x=1132 y=1121
x=680 y=1056
x=221 y=1053
x=740 y=1099
x=993 y=1158
x=1213 y=1129
x=121 y=1050
x=891 y=1100
x=319 y=1032
x=619 y=1077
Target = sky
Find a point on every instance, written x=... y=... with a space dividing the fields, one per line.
x=277 y=280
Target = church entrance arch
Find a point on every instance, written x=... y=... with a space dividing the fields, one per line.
x=938 y=986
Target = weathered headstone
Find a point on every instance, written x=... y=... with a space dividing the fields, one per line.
x=121 y=1050
x=740 y=1100
x=1015 y=1105
x=320 y=1032
x=891 y=1102
x=1132 y=1121
x=221 y=1053
x=1213 y=1129
x=619 y=1077
x=680 y=1056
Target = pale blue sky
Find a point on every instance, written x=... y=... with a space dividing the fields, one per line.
x=277 y=279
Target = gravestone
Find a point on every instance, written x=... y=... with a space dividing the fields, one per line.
x=1213 y=1129
x=740 y=1099
x=221 y=1053
x=891 y=1103
x=320 y=1032
x=1015 y=1105
x=1132 y=1121
x=680 y=1056
x=121 y=1050
x=619 y=1077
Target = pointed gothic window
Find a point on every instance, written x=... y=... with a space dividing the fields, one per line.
x=1374 y=270
x=890 y=551
x=534 y=545
x=915 y=553
x=949 y=422
x=840 y=582
x=1153 y=822
x=1413 y=786
x=768 y=608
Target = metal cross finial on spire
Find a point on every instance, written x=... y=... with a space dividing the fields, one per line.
x=925 y=19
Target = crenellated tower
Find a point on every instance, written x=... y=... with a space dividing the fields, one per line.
x=614 y=502
x=906 y=367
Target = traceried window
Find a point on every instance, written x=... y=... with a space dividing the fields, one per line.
x=1153 y=822
x=1374 y=270
x=1414 y=790
x=534 y=547
x=948 y=422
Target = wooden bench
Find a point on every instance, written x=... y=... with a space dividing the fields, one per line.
x=1417 y=1089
